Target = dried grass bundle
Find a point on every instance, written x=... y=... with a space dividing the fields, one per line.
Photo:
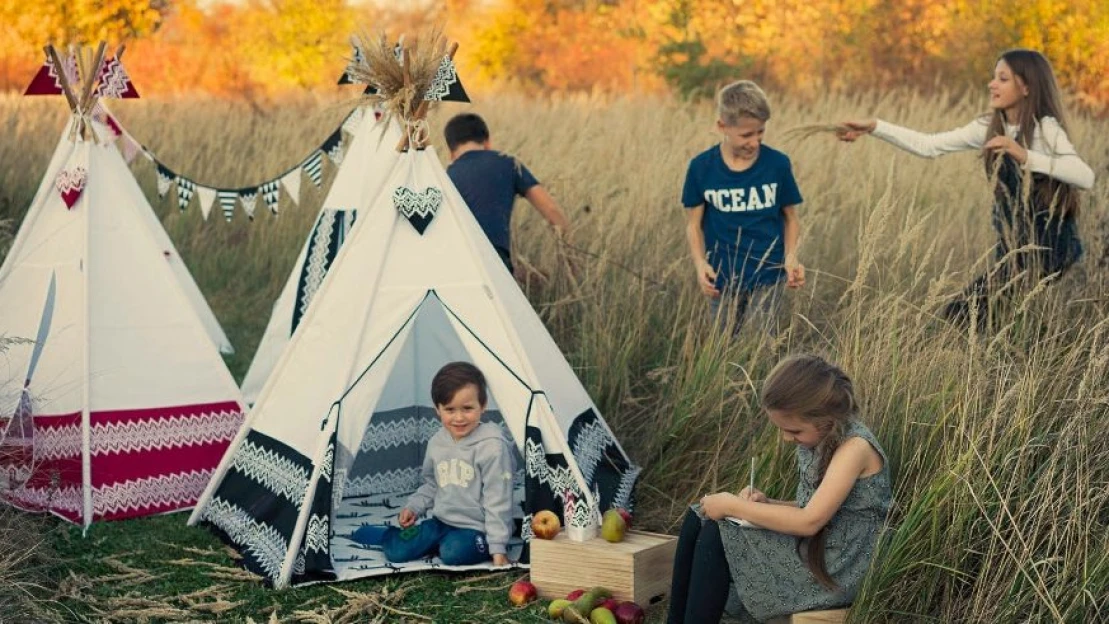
x=401 y=73
x=807 y=131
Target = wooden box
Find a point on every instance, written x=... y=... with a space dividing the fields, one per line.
x=636 y=569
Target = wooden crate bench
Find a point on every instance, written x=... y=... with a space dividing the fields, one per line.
x=832 y=616
x=636 y=569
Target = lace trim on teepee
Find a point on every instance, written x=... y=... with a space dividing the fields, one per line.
x=262 y=542
x=172 y=491
x=445 y=76
x=401 y=480
x=276 y=473
x=385 y=435
x=163 y=433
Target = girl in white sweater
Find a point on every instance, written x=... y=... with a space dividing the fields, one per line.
x=1035 y=170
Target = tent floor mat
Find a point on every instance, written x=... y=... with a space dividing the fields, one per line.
x=354 y=560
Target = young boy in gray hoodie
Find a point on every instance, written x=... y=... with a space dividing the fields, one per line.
x=467 y=481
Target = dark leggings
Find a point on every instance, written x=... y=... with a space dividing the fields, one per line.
x=699 y=586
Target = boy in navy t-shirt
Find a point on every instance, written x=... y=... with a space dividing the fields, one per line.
x=741 y=212
x=489 y=181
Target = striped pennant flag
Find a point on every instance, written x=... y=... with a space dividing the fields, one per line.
x=185 y=189
x=227 y=202
x=350 y=124
x=271 y=194
x=314 y=167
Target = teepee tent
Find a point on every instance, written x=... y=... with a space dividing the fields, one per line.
x=368 y=160
x=337 y=436
x=122 y=405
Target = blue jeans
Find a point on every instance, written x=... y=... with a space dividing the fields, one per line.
x=736 y=305
x=456 y=546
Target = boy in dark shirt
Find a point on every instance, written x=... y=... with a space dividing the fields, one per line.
x=741 y=212
x=489 y=181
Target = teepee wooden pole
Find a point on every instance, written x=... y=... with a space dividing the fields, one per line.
x=67 y=89
x=406 y=72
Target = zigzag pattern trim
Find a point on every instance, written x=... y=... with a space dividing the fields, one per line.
x=385 y=435
x=57 y=442
x=163 y=433
x=60 y=498
x=315 y=265
x=318 y=536
x=328 y=458
x=268 y=468
x=174 y=490
x=400 y=480
x=623 y=495
x=559 y=479
x=589 y=448
x=263 y=542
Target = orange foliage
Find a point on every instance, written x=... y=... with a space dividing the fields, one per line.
x=253 y=48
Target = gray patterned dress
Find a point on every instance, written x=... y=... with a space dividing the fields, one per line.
x=770 y=577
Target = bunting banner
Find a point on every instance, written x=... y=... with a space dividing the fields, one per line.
x=334 y=146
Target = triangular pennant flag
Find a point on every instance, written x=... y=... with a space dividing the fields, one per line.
x=206 y=196
x=185 y=188
x=70 y=184
x=291 y=182
x=114 y=81
x=165 y=178
x=446 y=86
x=350 y=124
x=314 y=167
x=271 y=194
x=128 y=147
x=333 y=147
x=227 y=202
x=357 y=58
x=248 y=197
x=418 y=208
x=100 y=114
x=47 y=82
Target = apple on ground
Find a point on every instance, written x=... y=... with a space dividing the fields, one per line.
x=574 y=595
x=609 y=603
x=521 y=593
x=545 y=524
x=628 y=612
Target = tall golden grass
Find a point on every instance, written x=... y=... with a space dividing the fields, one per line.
x=998 y=441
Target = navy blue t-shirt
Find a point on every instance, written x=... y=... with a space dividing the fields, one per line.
x=743 y=223
x=489 y=181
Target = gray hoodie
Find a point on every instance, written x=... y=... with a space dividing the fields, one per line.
x=468 y=484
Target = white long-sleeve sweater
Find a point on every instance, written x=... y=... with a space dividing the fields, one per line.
x=1051 y=152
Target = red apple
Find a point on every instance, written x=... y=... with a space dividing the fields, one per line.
x=626 y=515
x=609 y=603
x=574 y=595
x=628 y=612
x=545 y=524
x=521 y=593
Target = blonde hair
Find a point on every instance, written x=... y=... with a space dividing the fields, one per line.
x=741 y=99
x=813 y=389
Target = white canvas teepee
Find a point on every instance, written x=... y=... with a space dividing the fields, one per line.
x=122 y=406
x=337 y=436
x=368 y=161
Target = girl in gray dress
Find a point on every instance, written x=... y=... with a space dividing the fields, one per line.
x=808 y=553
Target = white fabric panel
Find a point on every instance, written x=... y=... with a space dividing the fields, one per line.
x=368 y=163
x=554 y=375
x=148 y=348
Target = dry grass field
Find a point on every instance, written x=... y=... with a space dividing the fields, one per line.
x=999 y=441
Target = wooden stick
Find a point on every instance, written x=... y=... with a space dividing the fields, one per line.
x=92 y=75
x=402 y=145
x=52 y=54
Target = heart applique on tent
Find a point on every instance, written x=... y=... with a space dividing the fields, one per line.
x=70 y=184
x=418 y=208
